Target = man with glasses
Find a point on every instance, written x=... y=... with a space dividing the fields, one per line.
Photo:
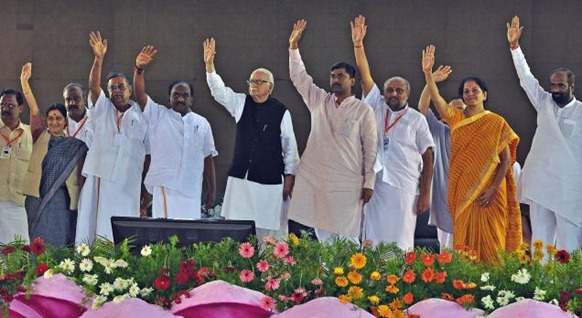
x=336 y=175
x=15 y=147
x=405 y=152
x=262 y=174
x=117 y=157
x=182 y=148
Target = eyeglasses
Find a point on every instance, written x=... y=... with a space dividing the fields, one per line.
x=8 y=105
x=257 y=82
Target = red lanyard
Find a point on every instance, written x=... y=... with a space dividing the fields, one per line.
x=78 y=128
x=386 y=127
x=10 y=141
x=118 y=122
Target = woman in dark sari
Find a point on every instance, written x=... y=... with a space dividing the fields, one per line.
x=51 y=183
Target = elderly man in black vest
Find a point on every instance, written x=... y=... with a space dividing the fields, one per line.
x=262 y=174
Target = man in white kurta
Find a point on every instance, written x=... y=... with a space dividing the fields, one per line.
x=78 y=122
x=245 y=198
x=551 y=178
x=336 y=175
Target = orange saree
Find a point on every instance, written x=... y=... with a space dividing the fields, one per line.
x=476 y=142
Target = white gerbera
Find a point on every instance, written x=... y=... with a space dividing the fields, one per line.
x=521 y=277
x=488 y=302
x=120 y=263
x=48 y=274
x=488 y=287
x=106 y=289
x=90 y=279
x=146 y=251
x=539 y=294
x=86 y=265
x=67 y=265
x=120 y=284
x=120 y=298
x=133 y=290
x=83 y=249
x=485 y=277
x=98 y=301
x=145 y=291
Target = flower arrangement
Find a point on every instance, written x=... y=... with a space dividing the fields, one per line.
x=381 y=279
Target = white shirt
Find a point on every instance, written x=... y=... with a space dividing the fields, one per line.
x=81 y=129
x=407 y=140
x=179 y=145
x=552 y=172
x=235 y=102
x=116 y=154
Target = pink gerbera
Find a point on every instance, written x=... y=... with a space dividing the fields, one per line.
x=281 y=249
x=289 y=260
x=246 y=250
x=263 y=265
x=298 y=295
x=267 y=303
x=246 y=275
x=272 y=283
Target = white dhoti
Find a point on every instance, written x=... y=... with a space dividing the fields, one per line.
x=445 y=239
x=390 y=216
x=173 y=204
x=13 y=222
x=552 y=228
x=262 y=203
x=101 y=199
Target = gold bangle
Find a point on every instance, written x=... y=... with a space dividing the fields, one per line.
x=358 y=46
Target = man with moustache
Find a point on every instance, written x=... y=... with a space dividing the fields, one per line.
x=405 y=151
x=261 y=177
x=551 y=178
x=336 y=173
x=15 y=147
x=117 y=157
x=182 y=148
x=78 y=122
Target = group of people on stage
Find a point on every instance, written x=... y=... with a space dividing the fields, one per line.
x=366 y=173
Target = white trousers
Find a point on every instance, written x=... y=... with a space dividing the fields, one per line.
x=552 y=228
x=13 y=222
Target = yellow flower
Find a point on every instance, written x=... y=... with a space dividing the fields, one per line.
x=523 y=258
x=375 y=276
x=293 y=239
x=338 y=271
x=538 y=254
x=392 y=289
x=398 y=314
x=470 y=285
x=341 y=281
x=396 y=304
x=538 y=244
x=344 y=299
x=374 y=300
x=358 y=260
x=384 y=311
x=392 y=279
x=354 y=277
x=551 y=250
x=356 y=292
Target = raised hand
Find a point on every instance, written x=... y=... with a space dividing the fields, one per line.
x=98 y=44
x=359 y=28
x=146 y=56
x=514 y=32
x=442 y=73
x=26 y=72
x=295 y=36
x=428 y=59
x=209 y=50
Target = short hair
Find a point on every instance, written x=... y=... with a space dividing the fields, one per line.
x=180 y=82
x=270 y=76
x=481 y=83
x=349 y=69
x=398 y=78
x=60 y=107
x=118 y=74
x=75 y=85
x=569 y=73
x=19 y=96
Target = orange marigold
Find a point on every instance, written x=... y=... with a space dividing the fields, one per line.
x=396 y=304
x=344 y=299
x=384 y=311
x=341 y=281
x=458 y=284
x=375 y=276
x=409 y=277
x=408 y=298
x=538 y=244
x=356 y=292
x=354 y=277
x=440 y=277
x=358 y=260
x=427 y=275
x=427 y=259
x=398 y=314
x=447 y=296
x=469 y=285
x=410 y=257
x=466 y=300
x=392 y=289
x=444 y=258
x=392 y=279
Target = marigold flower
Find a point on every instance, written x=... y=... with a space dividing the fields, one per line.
x=341 y=281
x=374 y=300
x=408 y=298
x=375 y=276
x=538 y=244
x=458 y=284
x=447 y=296
x=410 y=257
x=358 y=260
x=551 y=249
x=469 y=285
x=427 y=259
x=392 y=289
x=444 y=258
x=293 y=239
x=344 y=299
x=466 y=300
x=562 y=256
x=338 y=271
x=356 y=292
x=440 y=277
x=427 y=275
x=523 y=258
x=354 y=277
x=409 y=277
x=246 y=250
x=392 y=279
x=398 y=314
x=396 y=303
x=384 y=311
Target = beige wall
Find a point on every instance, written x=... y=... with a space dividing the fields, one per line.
x=469 y=35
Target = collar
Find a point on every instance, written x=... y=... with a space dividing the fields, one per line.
x=69 y=119
x=397 y=112
x=571 y=103
x=21 y=125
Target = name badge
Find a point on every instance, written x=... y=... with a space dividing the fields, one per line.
x=119 y=140
x=386 y=142
x=6 y=151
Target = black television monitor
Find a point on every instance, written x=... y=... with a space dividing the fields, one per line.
x=144 y=231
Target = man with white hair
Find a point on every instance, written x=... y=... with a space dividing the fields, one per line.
x=262 y=174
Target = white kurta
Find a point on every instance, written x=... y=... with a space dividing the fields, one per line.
x=248 y=200
x=179 y=146
x=338 y=160
x=113 y=168
x=81 y=130
x=391 y=214
x=552 y=172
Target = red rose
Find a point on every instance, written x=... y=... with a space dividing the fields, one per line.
x=37 y=246
x=41 y=268
x=162 y=282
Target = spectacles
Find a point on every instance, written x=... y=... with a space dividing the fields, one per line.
x=8 y=105
x=257 y=82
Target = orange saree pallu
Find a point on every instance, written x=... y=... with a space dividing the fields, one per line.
x=476 y=142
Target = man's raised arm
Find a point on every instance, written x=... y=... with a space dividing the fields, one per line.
x=441 y=74
x=143 y=59
x=359 y=28
x=99 y=47
x=427 y=63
